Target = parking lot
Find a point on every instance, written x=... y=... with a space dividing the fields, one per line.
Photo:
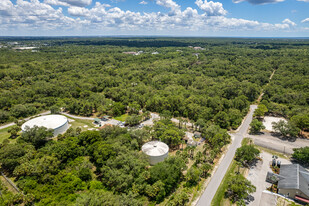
x=257 y=176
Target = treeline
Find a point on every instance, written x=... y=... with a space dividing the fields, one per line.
x=217 y=87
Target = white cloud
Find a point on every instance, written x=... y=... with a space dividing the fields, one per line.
x=211 y=8
x=303 y=0
x=101 y=18
x=78 y=11
x=169 y=4
x=143 y=2
x=289 y=22
x=6 y=7
x=260 y=1
x=56 y=2
x=305 y=20
x=34 y=15
x=80 y=3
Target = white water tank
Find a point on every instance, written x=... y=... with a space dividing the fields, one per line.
x=58 y=123
x=156 y=151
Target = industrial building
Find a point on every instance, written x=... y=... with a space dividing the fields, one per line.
x=58 y=123
x=156 y=151
x=294 y=182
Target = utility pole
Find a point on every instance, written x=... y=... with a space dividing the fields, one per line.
x=283 y=149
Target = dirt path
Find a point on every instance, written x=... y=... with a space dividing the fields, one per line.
x=271 y=76
x=262 y=93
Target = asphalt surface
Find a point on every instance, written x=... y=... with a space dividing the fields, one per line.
x=257 y=176
x=212 y=187
x=76 y=117
x=278 y=144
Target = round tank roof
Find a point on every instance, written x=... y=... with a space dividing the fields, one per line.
x=155 y=148
x=48 y=121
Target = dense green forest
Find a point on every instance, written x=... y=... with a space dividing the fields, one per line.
x=216 y=86
x=94 y=75
x=209 y=81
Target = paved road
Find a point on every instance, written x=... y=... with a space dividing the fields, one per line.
x=278 y=144
x=77 y=117
x=150 y=121
x=212 y=187
x=12 y=123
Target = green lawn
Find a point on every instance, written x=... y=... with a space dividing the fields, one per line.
x=4 y=134
x=122 y=117
x=80 y=123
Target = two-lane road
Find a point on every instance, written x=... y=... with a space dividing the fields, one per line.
x=212 y=187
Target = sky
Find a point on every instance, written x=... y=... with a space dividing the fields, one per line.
x=203 y=18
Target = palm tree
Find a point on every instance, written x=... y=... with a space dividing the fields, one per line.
x=185 y=121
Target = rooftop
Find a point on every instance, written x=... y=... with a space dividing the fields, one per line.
x=294 y=176
x=155 y=148
x=48 y=121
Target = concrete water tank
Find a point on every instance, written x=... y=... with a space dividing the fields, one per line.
x=156 y=151
x=58 y=123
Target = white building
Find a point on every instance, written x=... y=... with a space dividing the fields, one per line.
x=58 y=123
x=156 y=151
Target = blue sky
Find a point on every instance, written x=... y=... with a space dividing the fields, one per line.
x=241 y=18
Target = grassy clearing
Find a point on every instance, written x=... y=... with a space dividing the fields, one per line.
x=4 y=134
x=219 y=198
x=122 y=117
x=7 y=185
x=80 y=123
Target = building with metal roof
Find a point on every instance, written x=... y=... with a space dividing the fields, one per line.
x=58 y=123
x=156 y=151
x=294 y=182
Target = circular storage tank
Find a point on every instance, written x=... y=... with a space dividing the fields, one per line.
x=156 y=151
x=58 y=123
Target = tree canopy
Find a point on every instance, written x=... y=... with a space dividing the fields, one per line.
x=246 y=154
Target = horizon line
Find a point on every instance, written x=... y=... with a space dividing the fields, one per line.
x=149 y=36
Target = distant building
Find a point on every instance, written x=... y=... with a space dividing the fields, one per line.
x=198 y=48
x=197 y=135
x=189 y=139
x=105 y=118
x=24 y=48
x=133 y=53
x=294 y=182
x=97 y=121
x=12 y=43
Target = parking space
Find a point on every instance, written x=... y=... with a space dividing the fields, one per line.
x=257 y=176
